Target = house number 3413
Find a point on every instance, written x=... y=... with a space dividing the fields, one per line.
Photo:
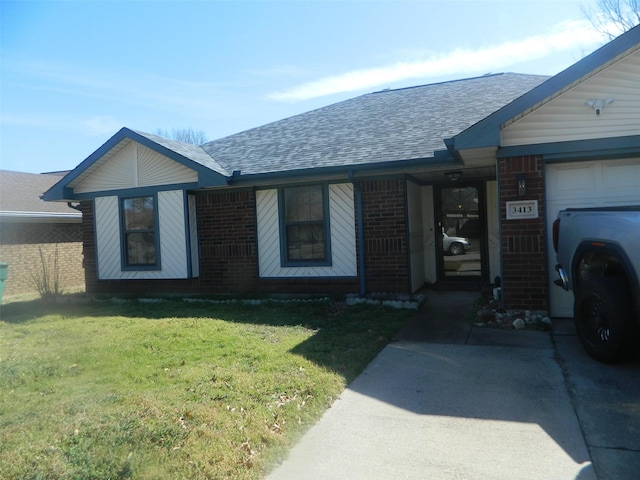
x=522 y=209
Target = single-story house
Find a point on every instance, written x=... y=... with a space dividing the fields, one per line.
x=454 y=183
x=38 y=239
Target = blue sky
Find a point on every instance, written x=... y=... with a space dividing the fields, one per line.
x=72 y=73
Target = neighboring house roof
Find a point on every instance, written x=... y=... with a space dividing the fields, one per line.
x=386 y=126
x=20 y=198
x=486 y=133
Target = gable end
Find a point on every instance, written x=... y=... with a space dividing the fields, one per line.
x=131 y=160
x=132 y=165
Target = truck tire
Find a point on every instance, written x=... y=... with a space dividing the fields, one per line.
x=603 y=318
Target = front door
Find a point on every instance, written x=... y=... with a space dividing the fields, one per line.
x=462 y=227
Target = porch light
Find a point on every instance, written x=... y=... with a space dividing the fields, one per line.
x=598 y=104
x=522 y=184
x=453 y=176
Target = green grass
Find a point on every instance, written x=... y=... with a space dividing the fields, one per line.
x=172 y=389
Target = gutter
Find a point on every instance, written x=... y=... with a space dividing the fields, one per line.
x=41 y=216
x=399 y=167
x=359 y=217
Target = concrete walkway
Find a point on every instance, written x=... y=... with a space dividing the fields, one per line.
x=448 y=401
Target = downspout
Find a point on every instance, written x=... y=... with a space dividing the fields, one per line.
x=359 y=218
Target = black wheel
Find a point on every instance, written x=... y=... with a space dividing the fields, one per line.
x=456 y=248
x=603 y=317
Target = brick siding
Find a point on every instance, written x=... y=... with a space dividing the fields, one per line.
x=524 y=262
x=385 y=233
x=27 y=247
x=89 y=246
x=227 y=234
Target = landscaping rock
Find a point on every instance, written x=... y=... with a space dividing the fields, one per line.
x=491 y=314
x=518 y=324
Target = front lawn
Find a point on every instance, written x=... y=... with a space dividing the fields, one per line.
x=172 y=389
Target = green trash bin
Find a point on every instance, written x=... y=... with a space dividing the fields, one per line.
x=4 y=269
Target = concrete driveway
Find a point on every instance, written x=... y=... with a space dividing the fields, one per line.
x=452 y=401
x=607 y=402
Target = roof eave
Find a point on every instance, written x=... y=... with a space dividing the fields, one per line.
x=486 y=133
x=441 y=158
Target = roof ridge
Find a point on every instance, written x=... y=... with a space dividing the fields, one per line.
x=458 y=80
x=206 y=146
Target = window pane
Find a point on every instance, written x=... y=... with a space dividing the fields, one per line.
x=305 y=242
x=141 y=248
x=304 y=204
x=138 y=213
x=139 y=231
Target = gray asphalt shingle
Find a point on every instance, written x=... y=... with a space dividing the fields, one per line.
x=192 y=152
x=20 y=192
x=390 y=125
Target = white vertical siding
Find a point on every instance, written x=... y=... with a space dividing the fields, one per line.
x=416 y=236
x=343 y=230
x=107 y=222
x=343 y=237
x=135 y=165
x=171 y=231
x=268 y=234
x=429 y=238
x=173 y=242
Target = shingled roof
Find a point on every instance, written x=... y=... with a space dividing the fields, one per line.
x=372 y=130
x=390 y=125
x=192 y=152
x=20 y=197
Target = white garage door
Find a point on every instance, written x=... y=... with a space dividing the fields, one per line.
x=580 y=185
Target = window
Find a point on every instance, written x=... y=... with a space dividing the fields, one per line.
x=139 y=232
x=304 y=228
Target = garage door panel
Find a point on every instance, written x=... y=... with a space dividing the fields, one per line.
x=574 y=181
x=618 y=202
x=621 y=180
x=585 y=185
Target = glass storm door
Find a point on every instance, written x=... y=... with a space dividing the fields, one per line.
x=462 y=232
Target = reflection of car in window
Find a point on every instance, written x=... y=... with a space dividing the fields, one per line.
x=454 y=245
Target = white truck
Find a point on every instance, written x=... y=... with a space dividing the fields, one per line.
x=598 y=258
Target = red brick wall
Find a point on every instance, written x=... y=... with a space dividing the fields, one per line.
x=523 y=246
x=228 y=261
x=385 y=233
x=228 y=251
x=88 y=247
x=227 y=235
x=28 y=247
